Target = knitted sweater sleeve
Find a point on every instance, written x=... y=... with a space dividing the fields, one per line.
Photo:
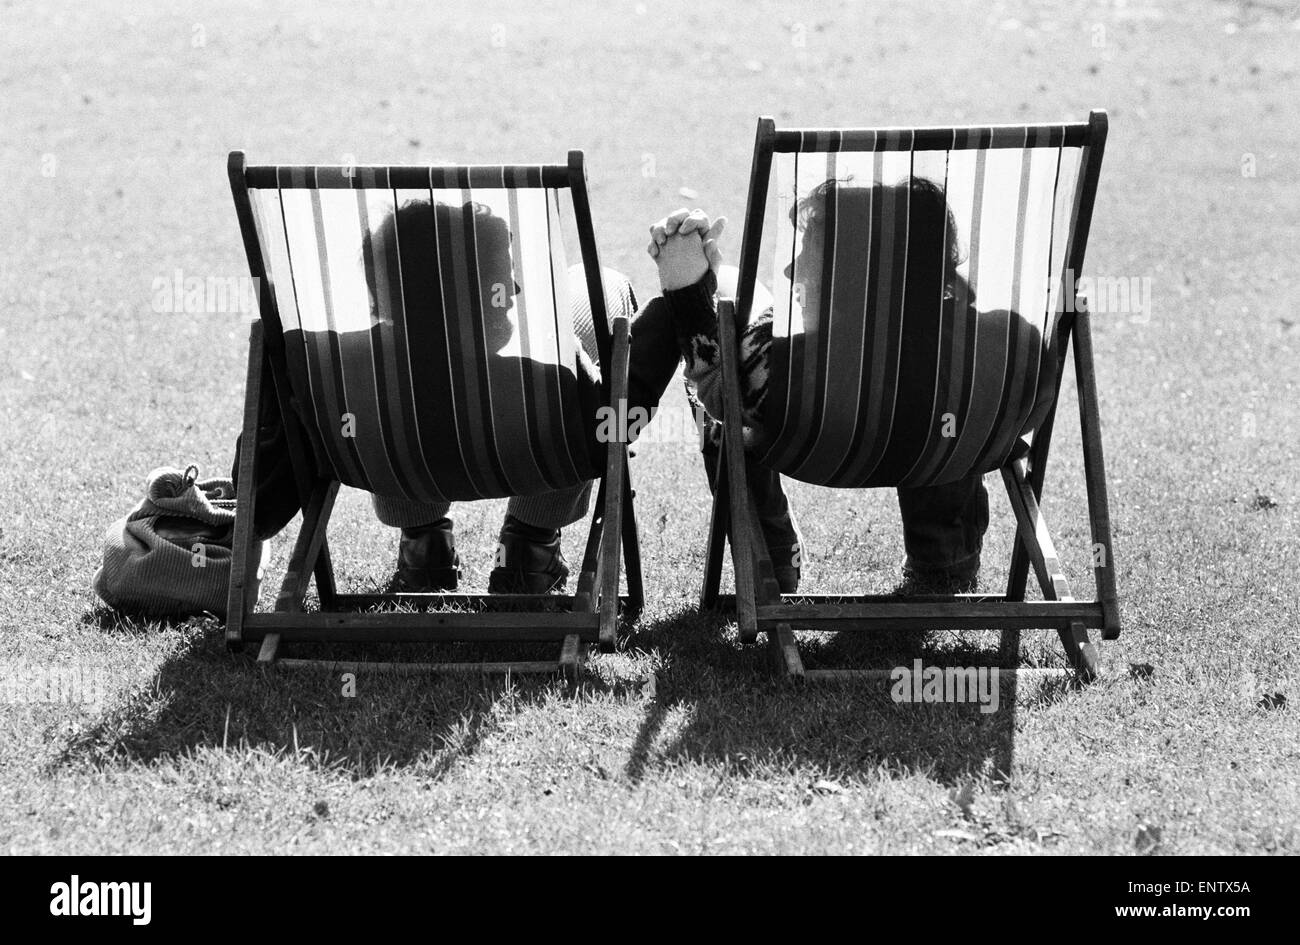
x=695 y=320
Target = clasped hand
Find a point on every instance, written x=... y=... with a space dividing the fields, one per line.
x=684 y=245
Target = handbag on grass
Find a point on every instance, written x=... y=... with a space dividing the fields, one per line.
x=171 y=556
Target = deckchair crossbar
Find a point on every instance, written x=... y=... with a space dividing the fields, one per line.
x=334 y=667
x=955 y=138
x=424 y=627
x=549 y=603
x=1023 y=615
x=406 y=177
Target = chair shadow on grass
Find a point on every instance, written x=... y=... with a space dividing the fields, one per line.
x=740 y=714
x=203 y=697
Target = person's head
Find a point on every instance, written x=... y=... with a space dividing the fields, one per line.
x=932 y=249
x=429 y=235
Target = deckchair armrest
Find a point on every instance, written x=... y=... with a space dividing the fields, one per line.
x=727 y=342
x=620 y=359
x=615 y=480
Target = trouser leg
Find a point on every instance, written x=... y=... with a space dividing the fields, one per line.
x=277 y=489
x=407 y=513
x=775 y=517
x=552 y=510
x=943 y=529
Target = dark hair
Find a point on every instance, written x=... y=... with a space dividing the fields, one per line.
x=415 y=225
x=932 y=228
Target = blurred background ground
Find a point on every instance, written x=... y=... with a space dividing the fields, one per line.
x=116 y=124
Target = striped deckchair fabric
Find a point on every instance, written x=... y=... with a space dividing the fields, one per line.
x=425 y=315
x=912 y=345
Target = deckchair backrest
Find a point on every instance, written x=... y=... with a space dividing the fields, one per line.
x=917 y=295
x=425 y=322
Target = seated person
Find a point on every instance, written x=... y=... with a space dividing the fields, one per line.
x=944 y=524
x=529 y=557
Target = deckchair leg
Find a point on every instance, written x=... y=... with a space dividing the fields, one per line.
x=571 y=658
x=307 y=549
x=1035 y=541
x=631 y=550
x=1035 y=468
x=1017 y=573
x=304 y=560
x=617 y=491
x=1094 y=472
x=326 y=590
x=269 y=650
x=766 y=588
x=1034 y=538
x=243 y=565
x=1080 y=652
x=609 y=561
x=1009 y=649
x=584 y=598
x=743 y=536
x=1021 y=552
x=717 y=538
x=742 y=559
x=785 y=653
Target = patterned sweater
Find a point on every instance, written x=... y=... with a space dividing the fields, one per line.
x=695 y=318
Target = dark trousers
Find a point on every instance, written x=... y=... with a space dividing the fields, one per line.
x=764 y=485
x=943 y=528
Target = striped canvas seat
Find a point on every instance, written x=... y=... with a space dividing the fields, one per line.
x=427 y=328
x=913 y=347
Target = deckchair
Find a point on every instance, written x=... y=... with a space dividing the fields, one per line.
x=411 y=404
x=1021 y=198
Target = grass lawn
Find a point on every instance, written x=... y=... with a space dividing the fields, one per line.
x=116 y=127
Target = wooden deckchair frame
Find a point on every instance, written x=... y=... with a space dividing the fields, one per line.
x=758 y=602
x=590 y=615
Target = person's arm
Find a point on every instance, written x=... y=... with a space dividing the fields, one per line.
x=684 y=246
x=695 y=319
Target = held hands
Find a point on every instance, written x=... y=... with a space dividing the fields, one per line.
x=684 y=245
